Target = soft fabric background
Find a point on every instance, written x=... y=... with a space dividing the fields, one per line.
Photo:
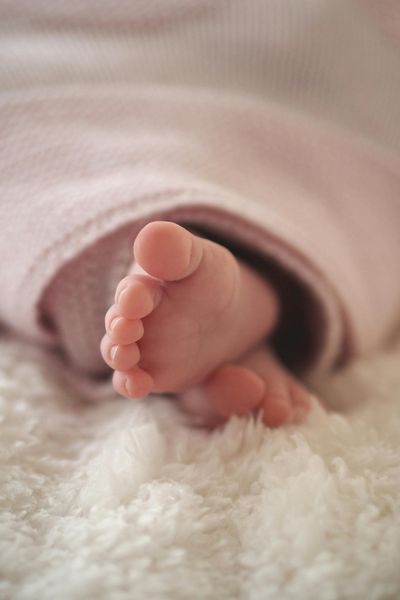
x=122 y=500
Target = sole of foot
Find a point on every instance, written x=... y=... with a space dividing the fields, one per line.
x=188 y=307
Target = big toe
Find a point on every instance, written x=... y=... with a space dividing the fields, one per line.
x=234 y=390
x=230 y=390
x=167 y=251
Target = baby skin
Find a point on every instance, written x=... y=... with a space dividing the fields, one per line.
x=191 y=319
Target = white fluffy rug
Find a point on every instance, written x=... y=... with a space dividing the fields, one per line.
x=122 y=501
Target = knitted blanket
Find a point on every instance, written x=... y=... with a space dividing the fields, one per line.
x=124 y=500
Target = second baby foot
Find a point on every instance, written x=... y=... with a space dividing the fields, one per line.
x=188 y=307
x=284 y=399
x=258 y=382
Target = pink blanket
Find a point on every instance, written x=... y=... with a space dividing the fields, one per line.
x=276 y=127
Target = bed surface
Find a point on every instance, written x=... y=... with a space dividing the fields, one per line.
x=123 y=500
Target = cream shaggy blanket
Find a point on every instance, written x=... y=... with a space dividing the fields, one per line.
x=124 y=501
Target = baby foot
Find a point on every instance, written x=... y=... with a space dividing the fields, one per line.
x=259 y=382
x=188 y=307
x=284 y=399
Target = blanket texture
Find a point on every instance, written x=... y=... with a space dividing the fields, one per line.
x=124 y=500
x=272 y=124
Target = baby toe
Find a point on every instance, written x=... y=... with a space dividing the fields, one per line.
x=276 y=409
x=120 y=358
x=134 y=383
x=137 y=296
x=121 y=330
x=168 y=251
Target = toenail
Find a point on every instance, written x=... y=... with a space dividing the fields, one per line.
x=113 y=352
x=115 y=322
x=124 y=383
x=126 y=386
x=119 y=292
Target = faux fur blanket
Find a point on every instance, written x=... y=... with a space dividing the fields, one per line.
x=123 y=500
